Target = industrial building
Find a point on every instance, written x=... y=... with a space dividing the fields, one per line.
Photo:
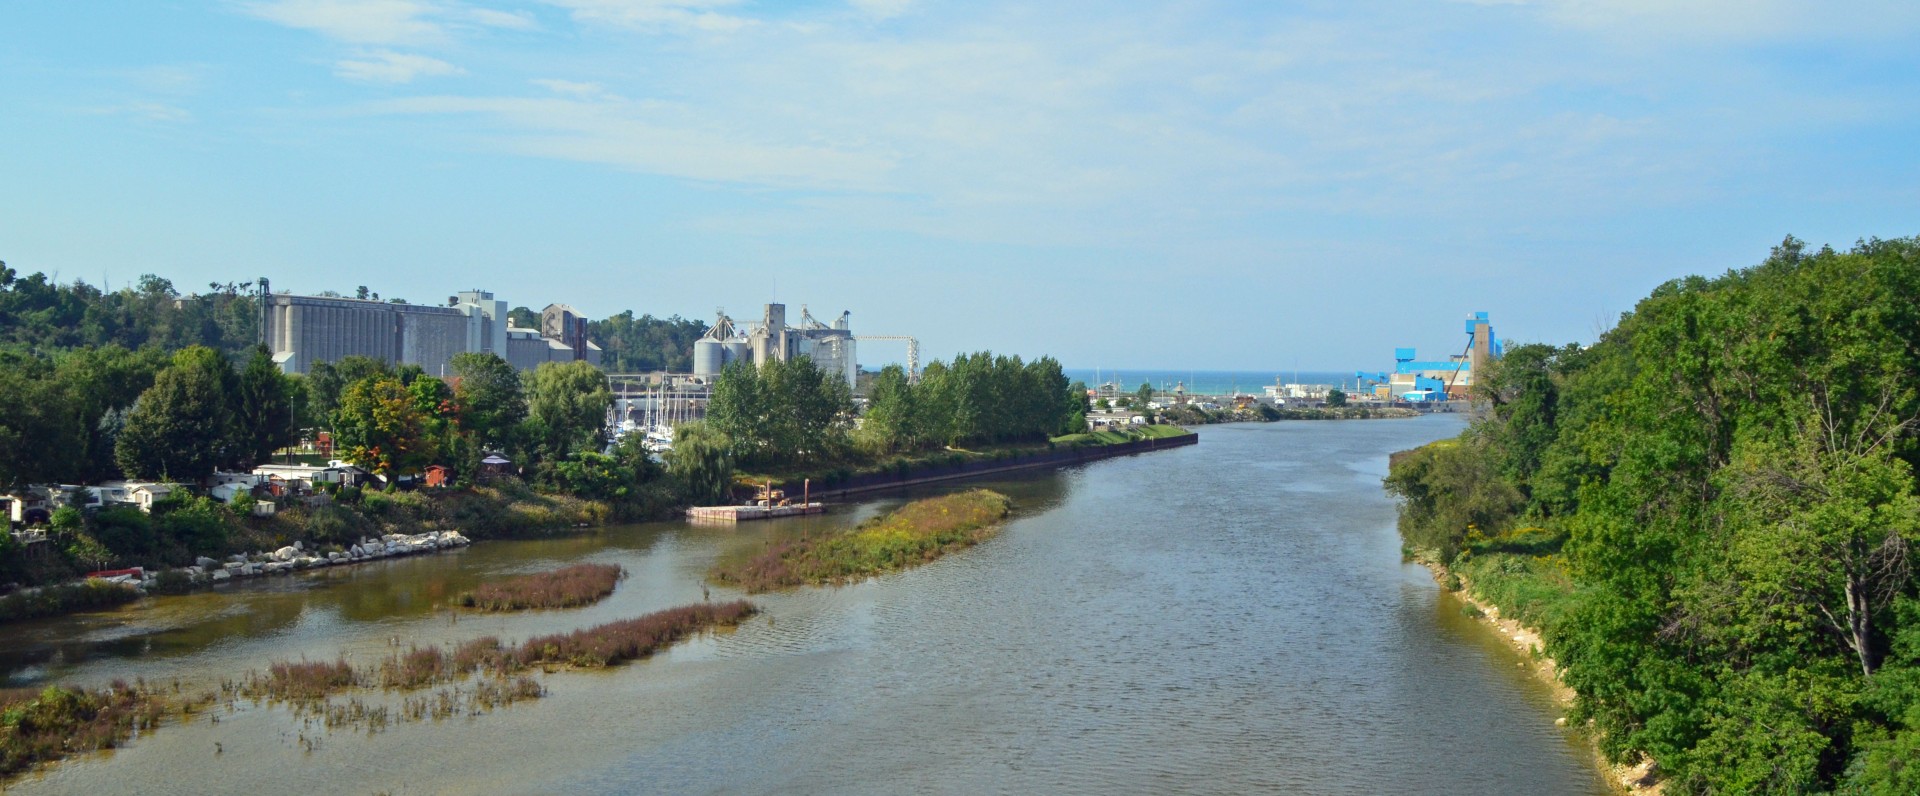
x=1449 y=379
x=830 y=347
x=304 y=330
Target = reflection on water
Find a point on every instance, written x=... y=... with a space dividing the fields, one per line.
x=1224 y=618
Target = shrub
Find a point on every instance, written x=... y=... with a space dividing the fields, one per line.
x=567 y=587
x=171 y=581
x=916 y=533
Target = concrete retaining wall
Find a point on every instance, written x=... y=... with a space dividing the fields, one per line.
x=873 y=482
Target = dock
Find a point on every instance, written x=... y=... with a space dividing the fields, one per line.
x=746 y=513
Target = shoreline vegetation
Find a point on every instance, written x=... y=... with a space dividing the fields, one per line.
x=48 y=725
x=568 y=587
x=1518 y=586
x=914 y=534
x=87 y=595
x=1709 y=517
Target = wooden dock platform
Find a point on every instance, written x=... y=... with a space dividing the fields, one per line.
x=745 y=513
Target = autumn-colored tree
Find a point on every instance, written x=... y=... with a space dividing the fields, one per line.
x=380 y=427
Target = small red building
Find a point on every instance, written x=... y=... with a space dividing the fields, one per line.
x=439 y=475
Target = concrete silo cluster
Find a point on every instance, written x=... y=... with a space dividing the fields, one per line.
x=831 y=347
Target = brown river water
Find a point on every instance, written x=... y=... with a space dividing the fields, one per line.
x=1232 y=617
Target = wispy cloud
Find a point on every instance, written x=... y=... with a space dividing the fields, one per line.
x=571 y=88
x=651 y=138
x=391 y=67
x=882 y=9
x=512 y=20
x=659 y=15
x=149 y=111
x=355 y=21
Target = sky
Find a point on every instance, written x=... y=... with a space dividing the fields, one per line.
x=1183 y=185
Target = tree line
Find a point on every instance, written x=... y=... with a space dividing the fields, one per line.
x=41 y=315
x=1732 y=470
x=784 y=414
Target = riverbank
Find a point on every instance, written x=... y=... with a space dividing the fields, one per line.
x=1533 y=590
x=954 y=463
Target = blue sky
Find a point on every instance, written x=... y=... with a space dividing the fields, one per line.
x=1178 y=185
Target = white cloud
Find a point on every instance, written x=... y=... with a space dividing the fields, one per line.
x=148 y=110
x=391 y=67
x=658 y=15
x=571 y=88
x=355 y=21
x=513 y=20
x=1730 y=21
x=654 y=139
x=882 y=9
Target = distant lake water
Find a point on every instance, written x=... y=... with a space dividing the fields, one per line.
x=1206 y=382
x=1228 y=618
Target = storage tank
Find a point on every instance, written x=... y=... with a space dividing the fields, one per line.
x=738 y=351
x=708 y=357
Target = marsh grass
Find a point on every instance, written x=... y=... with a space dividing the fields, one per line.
x=473 y=678
x=57 y=721
x=567 y=587
x=914 y=534
x=306 y=684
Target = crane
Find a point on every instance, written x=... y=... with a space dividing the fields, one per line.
x=913 y=352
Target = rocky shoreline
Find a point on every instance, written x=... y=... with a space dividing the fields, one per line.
x=294 y=557
x=1642 y=779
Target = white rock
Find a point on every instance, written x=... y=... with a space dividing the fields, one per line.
x=285 y=553
x=204 y=562
x=220 y=575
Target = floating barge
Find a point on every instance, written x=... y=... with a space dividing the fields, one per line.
x=745 y=513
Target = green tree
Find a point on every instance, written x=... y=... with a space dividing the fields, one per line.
x=1336 y=397
x=781 y=413
x=489 y=397
x=265 y=410
x=35 y=428
x=567 y=405
x=892 y=421
x=702 y=462
x=183 y=427
x=380 y=427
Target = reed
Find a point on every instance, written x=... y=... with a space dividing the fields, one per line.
x=300 y=682
x=55 y=722
x=567 y=587
x=631 y=639
x=914 y=534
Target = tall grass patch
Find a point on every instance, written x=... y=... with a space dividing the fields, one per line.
x=914 y=534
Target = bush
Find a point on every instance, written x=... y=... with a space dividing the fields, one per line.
x=54 y=600
x=171 y=581
x=916 y=533
x=567 y=587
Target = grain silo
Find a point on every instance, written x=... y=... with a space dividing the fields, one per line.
x=710 y=351
x=709 y=355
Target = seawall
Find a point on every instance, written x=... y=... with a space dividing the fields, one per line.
x=874 y=482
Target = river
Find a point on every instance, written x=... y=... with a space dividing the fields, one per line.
x=1230 y=617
